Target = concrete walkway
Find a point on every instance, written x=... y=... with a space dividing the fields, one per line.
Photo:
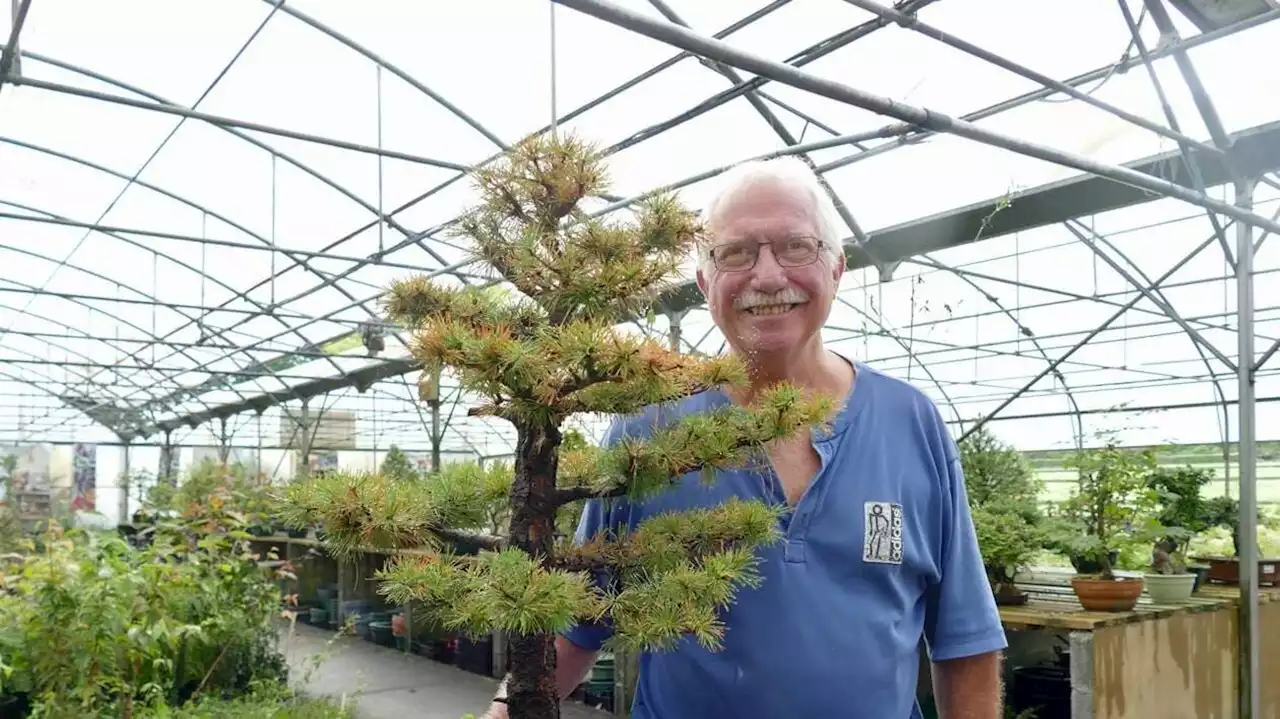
x=389 y=684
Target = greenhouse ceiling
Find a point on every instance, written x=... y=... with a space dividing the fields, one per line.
x=201 y=201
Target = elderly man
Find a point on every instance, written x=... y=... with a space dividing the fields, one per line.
x=879 y=549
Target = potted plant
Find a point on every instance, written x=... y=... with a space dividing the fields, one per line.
x=1168 y=581
x=1114 y=505
x=1225 y=512
x=1008 y=540
x=1003 y=496
x=1183 y=514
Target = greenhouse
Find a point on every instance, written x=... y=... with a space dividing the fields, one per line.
x=263 y=363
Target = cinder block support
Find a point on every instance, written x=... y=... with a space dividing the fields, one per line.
x=1081 y=675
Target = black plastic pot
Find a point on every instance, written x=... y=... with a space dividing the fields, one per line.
x=1044 y=690
x=14 y=706
x=1092 y=566
x=1202 y=575
x=475 y=656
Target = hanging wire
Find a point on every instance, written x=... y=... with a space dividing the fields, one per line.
x=204 y=251
x=272 y=304
x=381 y=216
x=554 y=113
x=155 y=306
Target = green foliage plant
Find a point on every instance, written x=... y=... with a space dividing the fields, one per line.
x=1004 y=500
x=1181 y=511
x=396 y=466
x=538 y=352
x=1114 y=504
x=93 y=626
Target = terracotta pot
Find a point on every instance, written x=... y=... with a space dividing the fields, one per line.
x=1107 y=595
x=1226 y=570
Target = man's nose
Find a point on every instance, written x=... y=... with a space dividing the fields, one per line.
x=767 y=272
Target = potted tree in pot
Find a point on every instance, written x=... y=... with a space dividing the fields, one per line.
x=1183 y=514
x=1225 y=512
x=1113 y=505
x=1003 y=496
x=1008 y=540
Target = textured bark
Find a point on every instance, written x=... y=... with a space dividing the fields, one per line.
x=531 y=686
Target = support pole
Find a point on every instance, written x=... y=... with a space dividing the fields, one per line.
x=1247 y=473
x=224 y=442
x=435 y=434
x=123 y=508
x=166 y=460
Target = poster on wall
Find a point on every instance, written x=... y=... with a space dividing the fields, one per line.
x=420 y=461
x=323 y=462
x=31 y=471
x=84 y=477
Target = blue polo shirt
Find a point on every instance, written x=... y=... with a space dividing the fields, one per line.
x=879 y=553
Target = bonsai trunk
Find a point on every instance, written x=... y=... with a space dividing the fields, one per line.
x=531 y=686
x=1108 y=572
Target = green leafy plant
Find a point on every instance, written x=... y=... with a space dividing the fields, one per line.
x=396 y=466
x=537 y=354
x=91 y=626
x=1004 y=499
x=1181 y=511
x=1114 y=505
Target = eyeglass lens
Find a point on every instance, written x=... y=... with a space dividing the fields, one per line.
x=787 y=251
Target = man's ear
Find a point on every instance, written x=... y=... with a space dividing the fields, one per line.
x=702 y=282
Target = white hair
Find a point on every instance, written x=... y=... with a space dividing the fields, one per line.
x=787 y=172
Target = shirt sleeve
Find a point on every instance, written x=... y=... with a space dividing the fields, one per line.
x=961 y=618
x=597 y=516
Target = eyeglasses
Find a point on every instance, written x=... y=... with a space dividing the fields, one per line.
x=796 y=251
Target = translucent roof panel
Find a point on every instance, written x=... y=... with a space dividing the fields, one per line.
x=201 y=203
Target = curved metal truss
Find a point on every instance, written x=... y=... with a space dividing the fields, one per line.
x=200 y=204
x=240 y=345
x=268 y=340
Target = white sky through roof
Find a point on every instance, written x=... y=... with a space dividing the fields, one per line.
x=111 y=315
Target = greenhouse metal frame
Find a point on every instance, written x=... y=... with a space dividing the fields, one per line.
x=1155 y=223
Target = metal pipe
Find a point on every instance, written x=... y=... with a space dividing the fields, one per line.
x=1084 y=341
x=1044 y=92
x=1198 y=93
x=1165 y=307
x=753 y=97
x=1247 y=472
x=788 y=75
x=220 y=121
x=1188 y=160
x=362 y=261
x=911 y=23
x=10 y=54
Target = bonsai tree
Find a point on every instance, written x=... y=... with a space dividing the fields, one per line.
x=1114 y=505
x=538 y=354
x=1182 y=512
x=1225 y=512
x=1003 y=496
x=1167 y=559
x=396 y=465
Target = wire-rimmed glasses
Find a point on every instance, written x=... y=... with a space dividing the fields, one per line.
x=740 y=256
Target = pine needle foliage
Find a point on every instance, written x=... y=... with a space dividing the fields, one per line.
x=538 y=353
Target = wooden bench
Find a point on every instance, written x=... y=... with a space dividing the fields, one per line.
x=1168 y=661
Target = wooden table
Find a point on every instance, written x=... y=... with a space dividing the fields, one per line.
x=1160 y=661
